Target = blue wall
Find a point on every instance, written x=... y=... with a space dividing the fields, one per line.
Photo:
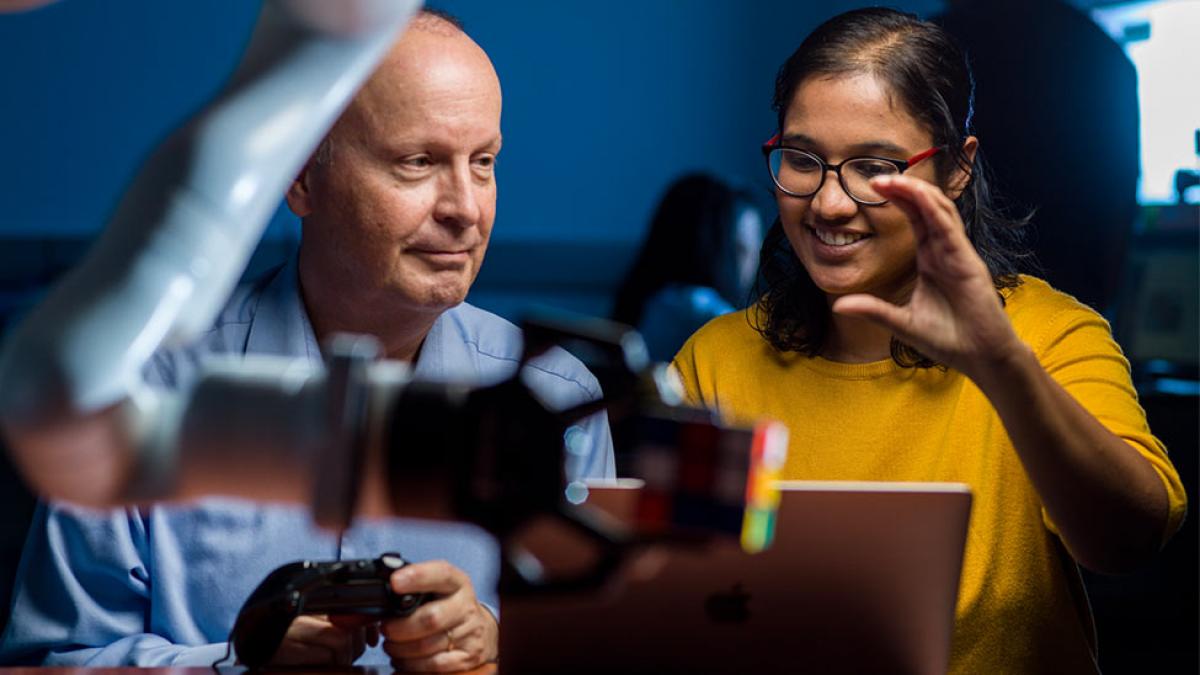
x=604 y=104
x=89 y=87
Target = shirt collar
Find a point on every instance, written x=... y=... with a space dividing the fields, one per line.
x=444 y=354
x=280 y=324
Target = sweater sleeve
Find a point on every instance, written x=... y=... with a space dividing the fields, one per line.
x=1077 y=349
x=686 y=372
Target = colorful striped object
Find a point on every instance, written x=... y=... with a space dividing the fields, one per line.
x=701 y=477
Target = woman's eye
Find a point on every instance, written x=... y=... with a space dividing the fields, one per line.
x=872 y=169
x=798 y=162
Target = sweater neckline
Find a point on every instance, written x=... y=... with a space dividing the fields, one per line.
x=850 y=371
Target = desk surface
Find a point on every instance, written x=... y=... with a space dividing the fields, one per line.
x=489 y=669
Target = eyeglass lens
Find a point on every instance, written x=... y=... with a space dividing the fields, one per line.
x=801 y=174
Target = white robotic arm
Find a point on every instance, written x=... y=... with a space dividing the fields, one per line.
x=80 y=423
x=350 y=437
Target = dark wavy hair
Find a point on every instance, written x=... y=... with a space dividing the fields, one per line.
x=693 y=224
x=927 y=72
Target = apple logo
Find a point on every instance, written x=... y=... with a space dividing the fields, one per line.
x=731 y=606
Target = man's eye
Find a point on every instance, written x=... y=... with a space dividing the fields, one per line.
x=418 y=162
x=484 y=164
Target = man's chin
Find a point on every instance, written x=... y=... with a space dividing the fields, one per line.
x=430 y=293
x=436 y=301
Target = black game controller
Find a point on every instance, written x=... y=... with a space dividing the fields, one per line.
x=340 y=587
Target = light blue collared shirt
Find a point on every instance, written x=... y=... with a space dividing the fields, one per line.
x=162 y=585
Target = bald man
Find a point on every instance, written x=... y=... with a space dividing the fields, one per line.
x=396 y=206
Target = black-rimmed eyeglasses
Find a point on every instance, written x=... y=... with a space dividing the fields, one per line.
x=800 y=173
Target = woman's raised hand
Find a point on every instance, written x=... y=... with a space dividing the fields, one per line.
x=954 y=314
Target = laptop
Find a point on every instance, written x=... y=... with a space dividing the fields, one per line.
x=861 y=577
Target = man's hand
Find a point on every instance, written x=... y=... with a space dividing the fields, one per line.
x=451 y=633
x=322 y=640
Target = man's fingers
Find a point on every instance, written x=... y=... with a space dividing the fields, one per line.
x=292 y=653
x=317 y=631
x=431 y=619
x=349 y=622
x=372 y=634
x=452 y=632
x=442 y=662
x=419 y=648
x=435 y=576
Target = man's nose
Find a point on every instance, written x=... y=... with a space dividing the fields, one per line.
x=831 y=203
x=458 y=202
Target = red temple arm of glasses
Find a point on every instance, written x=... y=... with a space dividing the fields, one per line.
x=923 y=155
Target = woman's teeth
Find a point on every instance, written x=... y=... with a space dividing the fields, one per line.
x=838 y=238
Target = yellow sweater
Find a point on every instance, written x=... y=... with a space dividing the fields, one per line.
x=1021 y=607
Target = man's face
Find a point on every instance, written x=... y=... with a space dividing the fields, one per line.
x=398 y=210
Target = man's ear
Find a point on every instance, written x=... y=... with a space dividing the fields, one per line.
x=961 y=176
x=299 y=199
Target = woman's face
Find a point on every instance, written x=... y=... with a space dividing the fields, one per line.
x=845 y=246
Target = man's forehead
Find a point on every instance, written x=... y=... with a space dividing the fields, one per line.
x=428 y=77
x=428 y=33
x=440 y=83
x=402 y=105
x=430 y=56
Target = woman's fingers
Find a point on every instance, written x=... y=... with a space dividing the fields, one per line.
x=902 y=196
x=943 y=248
x=934 y=216
x=882 y=312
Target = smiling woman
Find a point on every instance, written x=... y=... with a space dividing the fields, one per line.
x=896 y=339
x=877 y=103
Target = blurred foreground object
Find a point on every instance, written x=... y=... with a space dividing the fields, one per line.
x=70 y=390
